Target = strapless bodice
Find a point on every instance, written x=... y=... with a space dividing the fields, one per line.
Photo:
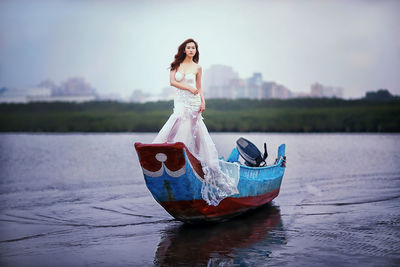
x=185 y=97
x=189 y=77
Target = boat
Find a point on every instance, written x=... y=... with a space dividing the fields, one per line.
x=174 y=177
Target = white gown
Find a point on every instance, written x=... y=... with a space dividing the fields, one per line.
x=186 y=125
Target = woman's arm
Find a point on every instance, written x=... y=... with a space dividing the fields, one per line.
x=198 y=85
x=179 y=85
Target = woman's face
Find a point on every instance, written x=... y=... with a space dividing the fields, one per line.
x=190 y=49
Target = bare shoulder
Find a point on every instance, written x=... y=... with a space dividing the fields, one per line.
x=198 y=67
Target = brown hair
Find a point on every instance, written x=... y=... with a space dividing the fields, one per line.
x=180 y=56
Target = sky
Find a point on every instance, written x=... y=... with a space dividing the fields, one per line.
x=120 y=46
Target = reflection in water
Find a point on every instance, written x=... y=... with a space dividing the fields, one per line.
x=191 y=245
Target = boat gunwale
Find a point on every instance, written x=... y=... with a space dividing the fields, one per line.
x=278 y=164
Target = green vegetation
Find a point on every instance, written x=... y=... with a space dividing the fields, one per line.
x=244 y=115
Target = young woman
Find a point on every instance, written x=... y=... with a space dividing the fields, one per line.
x=186 y=123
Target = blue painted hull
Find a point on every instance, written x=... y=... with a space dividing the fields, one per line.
x=176 y=183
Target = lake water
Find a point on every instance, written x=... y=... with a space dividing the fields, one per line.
x=81 y=200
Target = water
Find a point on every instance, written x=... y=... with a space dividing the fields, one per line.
x=80 y=200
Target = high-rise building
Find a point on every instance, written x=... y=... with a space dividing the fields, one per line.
x=23 y=95
x=74 y=87
x=319 y=90
x=273 y=90
x=216 y=80
x=238 y=87
x=254 y=86
x=222 y=82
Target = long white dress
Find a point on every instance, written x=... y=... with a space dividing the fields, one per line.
x=186 y=125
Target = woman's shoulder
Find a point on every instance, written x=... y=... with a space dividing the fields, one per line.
x=198 y=67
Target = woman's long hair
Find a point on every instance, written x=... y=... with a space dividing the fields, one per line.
x=180 y=56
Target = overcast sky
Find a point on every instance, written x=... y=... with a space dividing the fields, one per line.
x=119 y=46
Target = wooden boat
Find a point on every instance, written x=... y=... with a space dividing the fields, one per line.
x=174 y=177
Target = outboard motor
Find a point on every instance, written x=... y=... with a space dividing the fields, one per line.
x=250 y=153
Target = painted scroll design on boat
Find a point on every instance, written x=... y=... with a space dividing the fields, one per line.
x=162 y=157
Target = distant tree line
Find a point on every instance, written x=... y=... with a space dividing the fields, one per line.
x=381 y=94
x=223 y=115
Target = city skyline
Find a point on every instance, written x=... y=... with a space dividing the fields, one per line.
x=221 y=82
x=121 y=46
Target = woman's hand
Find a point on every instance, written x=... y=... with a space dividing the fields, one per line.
x=202 y=106
x=194 y=90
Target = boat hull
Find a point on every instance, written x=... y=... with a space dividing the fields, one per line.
x=197 y=211
x=175 y=177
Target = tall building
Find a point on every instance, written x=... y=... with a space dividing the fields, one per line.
x=281 y=92
x=273 y=90
x=72 y=90
x=267 y=90
x=23 y=95
x=254 y=86
x=76 y=86
x=216 y=81
x=319 y=90
x=48 y=84
x=222 y=82
x=238 y=87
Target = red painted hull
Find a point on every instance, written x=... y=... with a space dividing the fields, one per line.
x=199 y=211
x=174 y=177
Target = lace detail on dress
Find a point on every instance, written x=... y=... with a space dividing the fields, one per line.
x=218 y=185
x=186 y=125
